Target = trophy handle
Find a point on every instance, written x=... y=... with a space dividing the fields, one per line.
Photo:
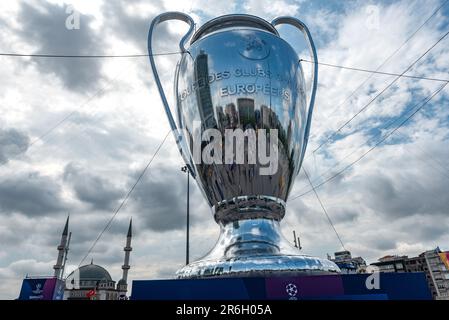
x=314 y=78
x=156 y=21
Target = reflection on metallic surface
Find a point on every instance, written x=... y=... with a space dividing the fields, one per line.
x=238 y=74
x=254 y=247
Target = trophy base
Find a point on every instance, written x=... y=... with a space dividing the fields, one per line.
x=255 y=248
x=276 y=265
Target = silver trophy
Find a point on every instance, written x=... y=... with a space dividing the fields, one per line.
x=240 y=96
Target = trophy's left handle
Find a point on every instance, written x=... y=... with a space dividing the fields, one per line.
x=314 y=78
x=173 y=15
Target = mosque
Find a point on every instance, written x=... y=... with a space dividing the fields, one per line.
x=91 y=281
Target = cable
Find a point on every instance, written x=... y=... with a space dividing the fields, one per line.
x=108 y=224
x=380 y=93
x=375 y=72
x=324 y=209
x=428 y=160
x=100 y=91
x=377 y=144
x=85 y=56
x=387 y=125
x=60 y=122
x=391 y=55
x=372 y=148
x=173 y=53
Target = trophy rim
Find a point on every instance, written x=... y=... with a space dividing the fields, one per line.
x=234 y=20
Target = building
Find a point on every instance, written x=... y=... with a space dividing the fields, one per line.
x=348 y=264
x=91 y=281
x=391 y=263
x=203 y=95
x=437 y=273
x=246 y=113
x=434 y=263
x=88 y=282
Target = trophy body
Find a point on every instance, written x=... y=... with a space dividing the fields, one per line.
x=242 y=126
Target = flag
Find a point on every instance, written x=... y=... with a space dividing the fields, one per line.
x=90 y=294
x=445 y=258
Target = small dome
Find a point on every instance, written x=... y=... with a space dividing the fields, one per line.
x=93 y=272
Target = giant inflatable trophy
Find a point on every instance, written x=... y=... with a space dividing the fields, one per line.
x=238 y=80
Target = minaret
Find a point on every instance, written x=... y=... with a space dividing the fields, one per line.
x=66 y=253
x=123 y=283
x=61 y=251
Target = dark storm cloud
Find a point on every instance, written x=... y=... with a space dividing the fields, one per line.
x=302 y=184
x=12 y=143
x=408 y=196
x=24 y=267
x=384 y=244
x=135 y=28
x=85 y=228
x=428 y=230
x=160 y=200
x=343 y=215
x=100 y=193
x=30 y=194
x=45 y=28
x=166 y=272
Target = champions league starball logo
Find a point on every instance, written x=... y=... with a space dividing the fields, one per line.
x=292 y=291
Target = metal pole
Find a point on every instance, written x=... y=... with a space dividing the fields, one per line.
x=188 y=216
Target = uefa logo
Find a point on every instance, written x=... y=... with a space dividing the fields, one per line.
x=254 y=48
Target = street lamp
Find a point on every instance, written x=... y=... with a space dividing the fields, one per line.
x=186 y=170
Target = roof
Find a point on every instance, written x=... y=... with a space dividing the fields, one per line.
x=392 y=258
x=93 y=272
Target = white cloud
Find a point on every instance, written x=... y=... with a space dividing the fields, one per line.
x=392 y=201
x=269 y=9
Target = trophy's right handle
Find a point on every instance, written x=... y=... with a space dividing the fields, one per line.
x=314 y=79
x=174 y=15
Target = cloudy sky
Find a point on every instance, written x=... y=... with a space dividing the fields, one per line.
x=75 y=134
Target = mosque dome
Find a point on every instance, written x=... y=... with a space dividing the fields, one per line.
x=93 y=272
x=93 y=276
